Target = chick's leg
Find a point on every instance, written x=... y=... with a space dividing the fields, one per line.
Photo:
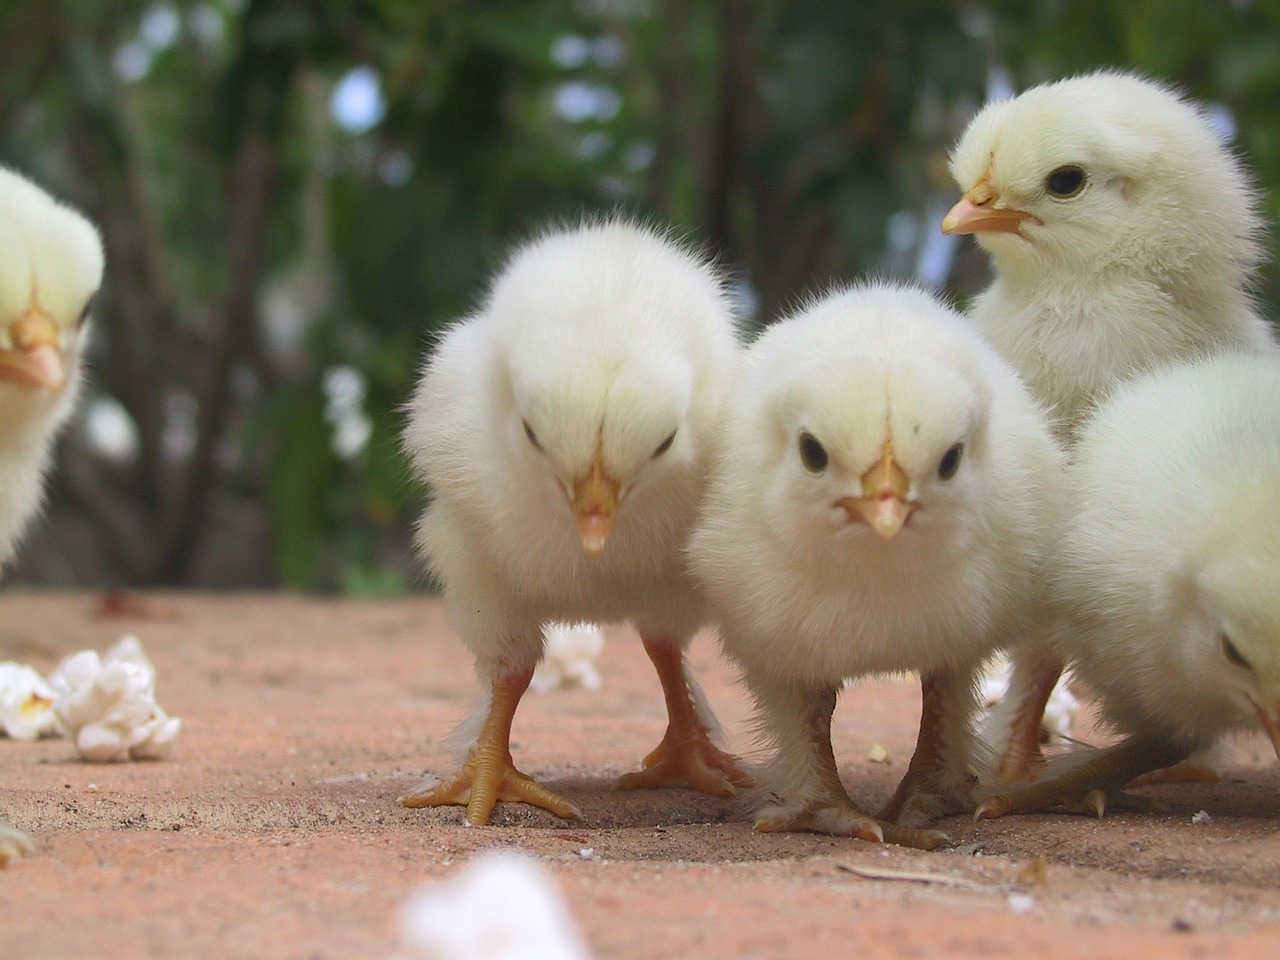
x=1088 y=787
x=488 y=774
x=808 y=792
x=14 y=844
x=1036 y=670
x=937 y=779
x=686 y=757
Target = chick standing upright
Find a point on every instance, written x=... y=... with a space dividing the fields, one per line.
x=881 y=502
x=1171 y=571
x=1124 y=235
x=51 y=265
x=564 y=432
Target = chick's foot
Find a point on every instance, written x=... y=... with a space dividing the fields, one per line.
x=845 y=820
x=484 y=780
x=14 y=844
x=686 y=757
x=1189 y=770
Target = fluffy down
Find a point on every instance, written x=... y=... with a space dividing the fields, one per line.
x=50 y=267
x=1124 y=235
x=564 y=431
x=881 y=502
x=1171 y=570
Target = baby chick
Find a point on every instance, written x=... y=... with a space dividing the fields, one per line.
x=50 y=267
x=1124 y=235
x=880 y=502
x=564 y=431
x=1171 y=571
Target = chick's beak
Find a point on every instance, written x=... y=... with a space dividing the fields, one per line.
x=1271 y=723
x=883 y=506
x=595 y=501
x=35 y=359
x=978 y=212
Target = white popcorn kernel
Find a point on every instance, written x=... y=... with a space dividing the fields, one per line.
x=569 y=651
x=26 y=703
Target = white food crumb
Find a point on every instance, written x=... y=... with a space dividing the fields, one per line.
x=878 y=753
x=1201 y=816
x=569 y=651
x=587 y=853
x=108 y=705
x=1021 y=902
x=1059 y=713
x=500 y=906
x=26 y=703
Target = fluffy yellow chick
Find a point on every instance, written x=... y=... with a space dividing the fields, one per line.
x=881 y=501
x=564 y=431
x=50 y=267
x=1124 y=235
x=1171 y=572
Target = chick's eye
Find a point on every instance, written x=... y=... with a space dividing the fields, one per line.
x=533 y=437
x=665 y=445
x=1232 y=654
x=84 y=314
x=812 y=453
x=950 y=462
x=1065 y=182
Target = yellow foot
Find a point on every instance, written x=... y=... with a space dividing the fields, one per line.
x=481 y=784
x=689 y=761
x=1188 y=771
x=14 y=844
x=843 y=820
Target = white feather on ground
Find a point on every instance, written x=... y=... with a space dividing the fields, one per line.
x=870 y=407
x=499 y=906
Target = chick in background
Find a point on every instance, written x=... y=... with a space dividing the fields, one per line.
x=1170 y=570
x=882 y=499
x=51 y=265
x=1124 y=234
x=564 y=430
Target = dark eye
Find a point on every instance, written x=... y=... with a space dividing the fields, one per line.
x=84 y=314
x=812 y=453
x=665 y=445
x=950 y=462
x=1231 y=653
x=533 y=437
x=1065 y=182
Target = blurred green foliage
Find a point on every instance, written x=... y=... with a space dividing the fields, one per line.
x=262 y=254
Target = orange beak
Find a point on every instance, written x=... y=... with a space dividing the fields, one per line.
x=595 y=501
x=977 y=212
x=35 y=359
x=1271 y=724
x=883 y=506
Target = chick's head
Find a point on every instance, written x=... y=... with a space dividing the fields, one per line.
x=1105 y=171
x=1231 y=596
x=50 y=269
x=617 y=344
x=876 y=422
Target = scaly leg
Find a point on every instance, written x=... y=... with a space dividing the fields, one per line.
x=686 y=757
x=1089 y=787
x=1203 y=766
x=1035 y=673
x=488 y=775
x=14 y=844
x=809 y=767
x=935 y=783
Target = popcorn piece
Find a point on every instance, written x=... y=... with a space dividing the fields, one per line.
x=26 y=703
x=878 y=753
x=1201 y=817
x=1059 y=713
x=569 y=651
x=108 y=705
x=501 y=906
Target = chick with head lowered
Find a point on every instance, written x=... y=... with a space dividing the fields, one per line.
x=51 y=266
x=564 y=430
x=1170 y=568
x=1124 y=235
x=881 y=501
